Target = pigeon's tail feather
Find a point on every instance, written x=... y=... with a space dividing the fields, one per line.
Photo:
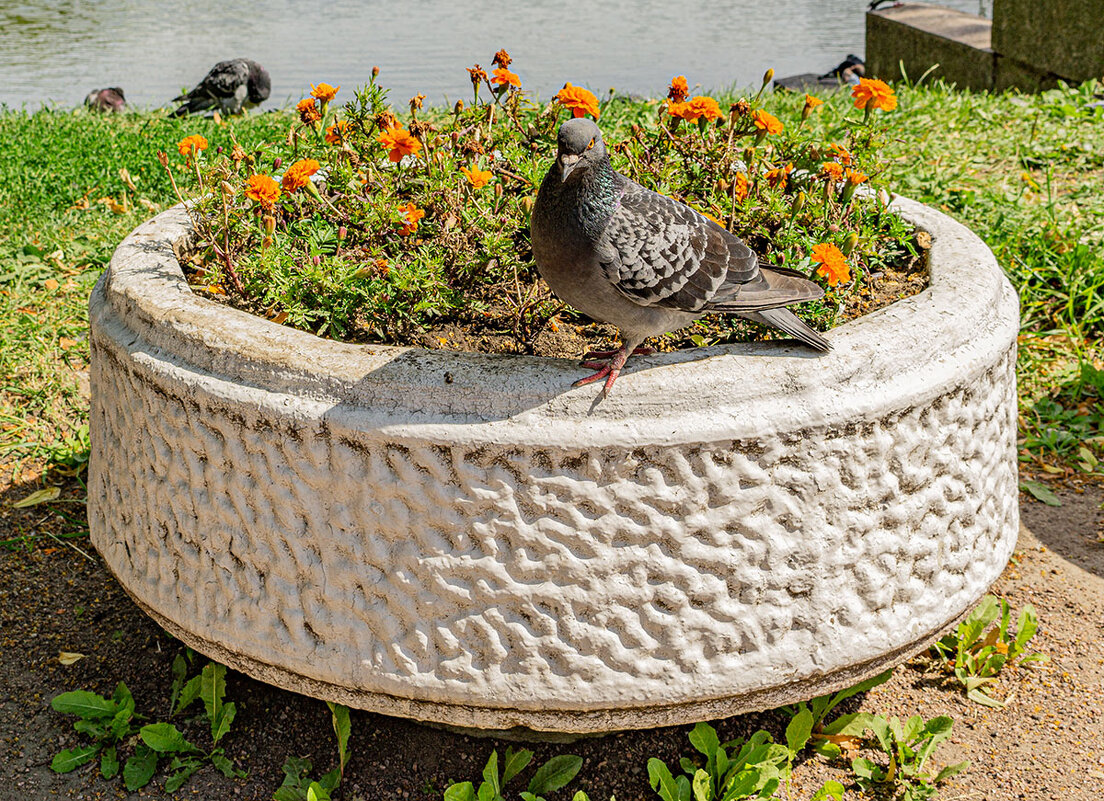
x=787 y=321
x=193 y=104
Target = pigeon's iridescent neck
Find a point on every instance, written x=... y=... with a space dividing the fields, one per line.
x=598 y=199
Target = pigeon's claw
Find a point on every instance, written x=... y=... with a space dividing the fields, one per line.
x=608 y=371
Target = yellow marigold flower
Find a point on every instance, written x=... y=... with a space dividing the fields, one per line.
x=502 y=59
x=840 y=154
x=767 y=122
x=695 y=109
x=740 y=187
x=191 y=144
x=832 y=170
x=399 y=142
x=872 y=93
x=855 y=177
x=324 y=92
x=308 y=111
x=506 y=78
x=337 y=132
x=833 y=266
x=412 y=214
x=262 y=189
x=678 y=90
x=581 y=101
x=812 y=102
x=777 y=176
x=298 y=174
x=476 y=177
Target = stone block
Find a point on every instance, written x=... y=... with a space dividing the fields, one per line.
x=1062 y=37
x=917 y=36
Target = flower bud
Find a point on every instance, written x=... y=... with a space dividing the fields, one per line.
x=768 y=76
x=226 y=188
x=798 y=204
x=458 y=107
x=498 y=190
x=527 y=203
x=375 y=73
x=277 y=162
x=218 y=150
x=342 y=232
x=849 y=243
x=163 y=159
x=269 y=224
x=316 y=260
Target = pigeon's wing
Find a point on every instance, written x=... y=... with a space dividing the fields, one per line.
x=659 y=252
x=221 y=82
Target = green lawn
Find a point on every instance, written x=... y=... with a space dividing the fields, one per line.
x=1026 y=172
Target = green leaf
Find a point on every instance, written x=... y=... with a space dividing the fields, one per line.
x=516 y=762
x=289 y=792
x=223 y=765
x=85 y=704
x=1026 y=626
x=702 y=786
x=555 y=773
x=799 y=730
x=139 y=768
x=189 y=694
x=164 y=738
x=72 y=758
x=950 y=770
x=979 y=697
x=122 y=697
x=221 y=727
x=864 y=768
x=339 y=716
x=176 y=781
x=329 y=781
x=317 y=792
x=528 y=796
x=704 y=738
x=109 y=763
x=490 y=775
x=661 y=780
x=580 y=796
x=830 y=789
x=179 y=674
x=212 y=691
x=1040 y=492
x=683 y=785
x=487 y=792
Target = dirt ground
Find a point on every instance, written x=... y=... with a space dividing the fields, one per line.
x=1047 y=743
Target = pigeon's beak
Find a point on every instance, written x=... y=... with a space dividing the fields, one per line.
x=568 y=162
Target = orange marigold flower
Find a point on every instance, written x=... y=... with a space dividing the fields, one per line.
x=767 y=122
x=812 y=102
x=506 y=78
x=740 y=187
x=777 y=176
x=832 y=170
x=308 y=111
x=693 y=110
x=399 y=142
x=262 y=189
x=298 y=174
x=581 y=101
x=324 y=92
x=678 y=90
x=477 y=74
x=840 y=154
x=337 y=132
x=873 y=93
x=833 y=266
x=412 y=214
x=502 y=59
x=476 y=177
x=191 y=144
x=855 y=177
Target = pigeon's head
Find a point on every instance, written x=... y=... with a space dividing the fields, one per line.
x=259 y=84
x=580 y=147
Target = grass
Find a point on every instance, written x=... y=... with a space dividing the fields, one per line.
x=1023 y=171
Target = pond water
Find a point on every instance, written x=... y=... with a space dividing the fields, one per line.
x=55 y=51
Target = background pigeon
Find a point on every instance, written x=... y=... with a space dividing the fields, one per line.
x=109 y=100
x=228 y=87
x=648 y=264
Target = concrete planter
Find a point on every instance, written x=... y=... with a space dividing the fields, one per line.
x=465 y=539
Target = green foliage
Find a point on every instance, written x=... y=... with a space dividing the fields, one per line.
x=298 y=786
x=907 y=749
x=817 y=711
x=976 y=651
x=553 y=775
x=111 y=723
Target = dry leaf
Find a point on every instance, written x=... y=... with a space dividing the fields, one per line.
x=66 y=342
x=38 y=496
x=69 y=657
x=279 y=318
x=924 y=239
x=51 y=284
x=124 y=173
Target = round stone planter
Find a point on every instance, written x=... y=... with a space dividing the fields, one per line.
x=466 y=539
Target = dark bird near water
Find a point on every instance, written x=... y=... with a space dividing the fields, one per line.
x=109 y=100
x=228 y=87
x=648 y=264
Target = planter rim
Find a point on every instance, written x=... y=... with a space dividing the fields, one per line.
x=931 y=340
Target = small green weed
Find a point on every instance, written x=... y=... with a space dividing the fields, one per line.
x=549 y=777
x=976 y=653
x=111 y=722
x=908 y=749
x=298 y=786
x=823 y=736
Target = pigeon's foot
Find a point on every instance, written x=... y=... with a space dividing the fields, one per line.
x=608 y=371
x=609 y=354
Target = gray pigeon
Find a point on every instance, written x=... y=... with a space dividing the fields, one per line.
x=228 y=87
x=648 y=264
x=110 y=100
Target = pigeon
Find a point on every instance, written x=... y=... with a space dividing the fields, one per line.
x=644 y=262
x=849 y=71
x=228 y=87
x=110 y=100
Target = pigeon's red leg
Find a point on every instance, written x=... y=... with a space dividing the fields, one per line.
x=609 y=354
x=608 y=371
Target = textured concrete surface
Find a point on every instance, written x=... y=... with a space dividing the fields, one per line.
x=1063 y=38
x=466 y=539
x=919 y=36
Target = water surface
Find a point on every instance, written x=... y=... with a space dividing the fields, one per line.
x=56 y=51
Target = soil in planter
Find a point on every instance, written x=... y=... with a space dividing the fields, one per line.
x=544 y=328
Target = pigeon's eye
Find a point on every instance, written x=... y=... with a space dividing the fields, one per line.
x=590 y=145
